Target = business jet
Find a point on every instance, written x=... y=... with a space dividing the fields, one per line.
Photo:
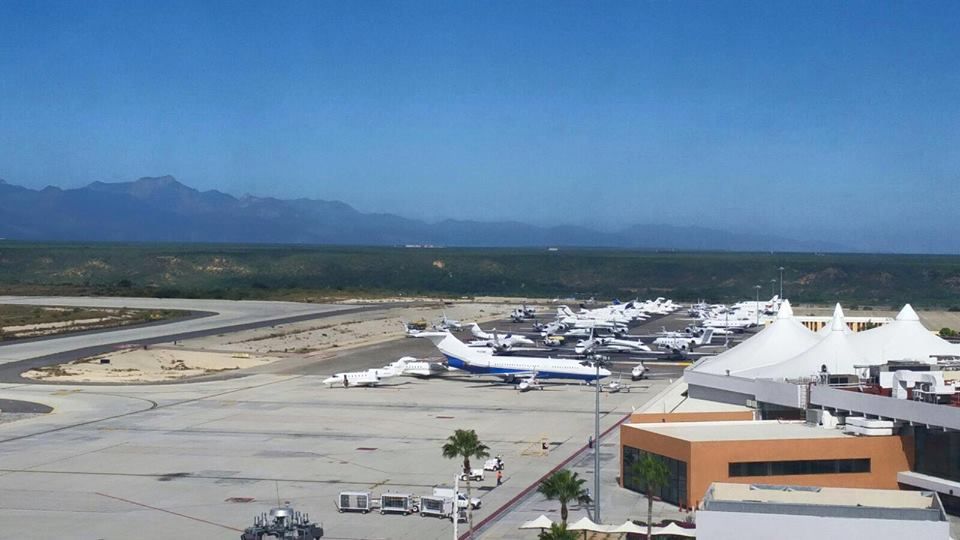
x=410 y=366
x=448 y=324
x=493 y=339
x=370 y=377
x=684 y=344
x=509 y=368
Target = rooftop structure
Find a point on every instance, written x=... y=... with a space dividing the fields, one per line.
x=923 y=505
x=734 y=511
x=745 y=430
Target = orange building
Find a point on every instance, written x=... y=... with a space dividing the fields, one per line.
x=698 y=453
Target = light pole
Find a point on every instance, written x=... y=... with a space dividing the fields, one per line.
x=781 y=283
x=756 y=306
x=598 y=362
x=773 y=283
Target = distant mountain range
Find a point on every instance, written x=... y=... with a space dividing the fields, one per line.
x=164 y=210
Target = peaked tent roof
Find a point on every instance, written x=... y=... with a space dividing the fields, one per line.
x=835 y=351
x=783 y=338
x=838 y=319
x=903 y=339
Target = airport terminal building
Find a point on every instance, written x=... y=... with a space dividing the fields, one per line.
x=877 y=409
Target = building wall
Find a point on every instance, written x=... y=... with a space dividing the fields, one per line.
x=658 y=444
x=708 y=461
x=888 y=455
x=739 y=525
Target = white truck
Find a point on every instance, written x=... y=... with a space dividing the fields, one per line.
x=476 y=475
x=493 y=464
x=447 y=493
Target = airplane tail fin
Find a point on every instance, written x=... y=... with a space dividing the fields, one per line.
x=448 y=344
x=707 y=336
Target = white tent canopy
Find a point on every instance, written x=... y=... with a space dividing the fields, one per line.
x=835 y=351
x=838 y=317
x=782 y=339
x=903 y=339
x=542 y=522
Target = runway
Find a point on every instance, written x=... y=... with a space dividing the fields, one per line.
x=224 y=316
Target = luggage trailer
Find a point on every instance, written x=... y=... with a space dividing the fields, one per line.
x=354 y=501
x=398 y=503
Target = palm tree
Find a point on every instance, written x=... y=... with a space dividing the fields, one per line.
x=564 y=486
x=652 y=474
x=558 y=531
x=465 y=443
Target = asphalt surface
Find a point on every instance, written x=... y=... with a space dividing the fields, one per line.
x=224 y=317
x=18 y=406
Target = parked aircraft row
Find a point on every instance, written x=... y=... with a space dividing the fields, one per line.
x=371 y=377
x=735 y=318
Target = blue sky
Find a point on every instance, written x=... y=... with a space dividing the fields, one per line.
x=797 y=118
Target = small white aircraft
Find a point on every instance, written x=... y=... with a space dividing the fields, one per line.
x=684 y=344
x=530 y=383
x=616 y=386
x=369 y=377
x=609 y=344
x=493 y=339
x=448 y=324
x=410 y=366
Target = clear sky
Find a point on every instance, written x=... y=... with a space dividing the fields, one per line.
x=791 y=117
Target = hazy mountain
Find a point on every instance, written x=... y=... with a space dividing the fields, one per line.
x=164 y=210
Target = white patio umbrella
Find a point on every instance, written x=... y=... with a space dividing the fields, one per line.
x=675 y=530
x=542 y=522
x=628 y=527
x=586 y=524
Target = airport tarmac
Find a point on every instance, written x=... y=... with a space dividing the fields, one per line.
x=178 y=460
x=167 y=461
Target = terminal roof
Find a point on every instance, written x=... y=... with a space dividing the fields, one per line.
x=821 y=496
x=740 y=430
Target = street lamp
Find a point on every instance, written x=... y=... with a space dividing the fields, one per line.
x=598 y=361
x=756 y=306
x=773 y=283
x=781 y=283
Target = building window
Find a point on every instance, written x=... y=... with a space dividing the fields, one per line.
x=673 y=492
x=807 y=466
x=937 y=453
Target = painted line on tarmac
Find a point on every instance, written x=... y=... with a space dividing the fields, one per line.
x=171 y=512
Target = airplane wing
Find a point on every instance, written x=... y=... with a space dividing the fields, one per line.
x=517 y=375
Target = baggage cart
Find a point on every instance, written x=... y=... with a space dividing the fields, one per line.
x=398 y=503
x=354 y=501
x=441 y=507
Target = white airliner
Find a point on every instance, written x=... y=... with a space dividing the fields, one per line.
x=510 y=368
